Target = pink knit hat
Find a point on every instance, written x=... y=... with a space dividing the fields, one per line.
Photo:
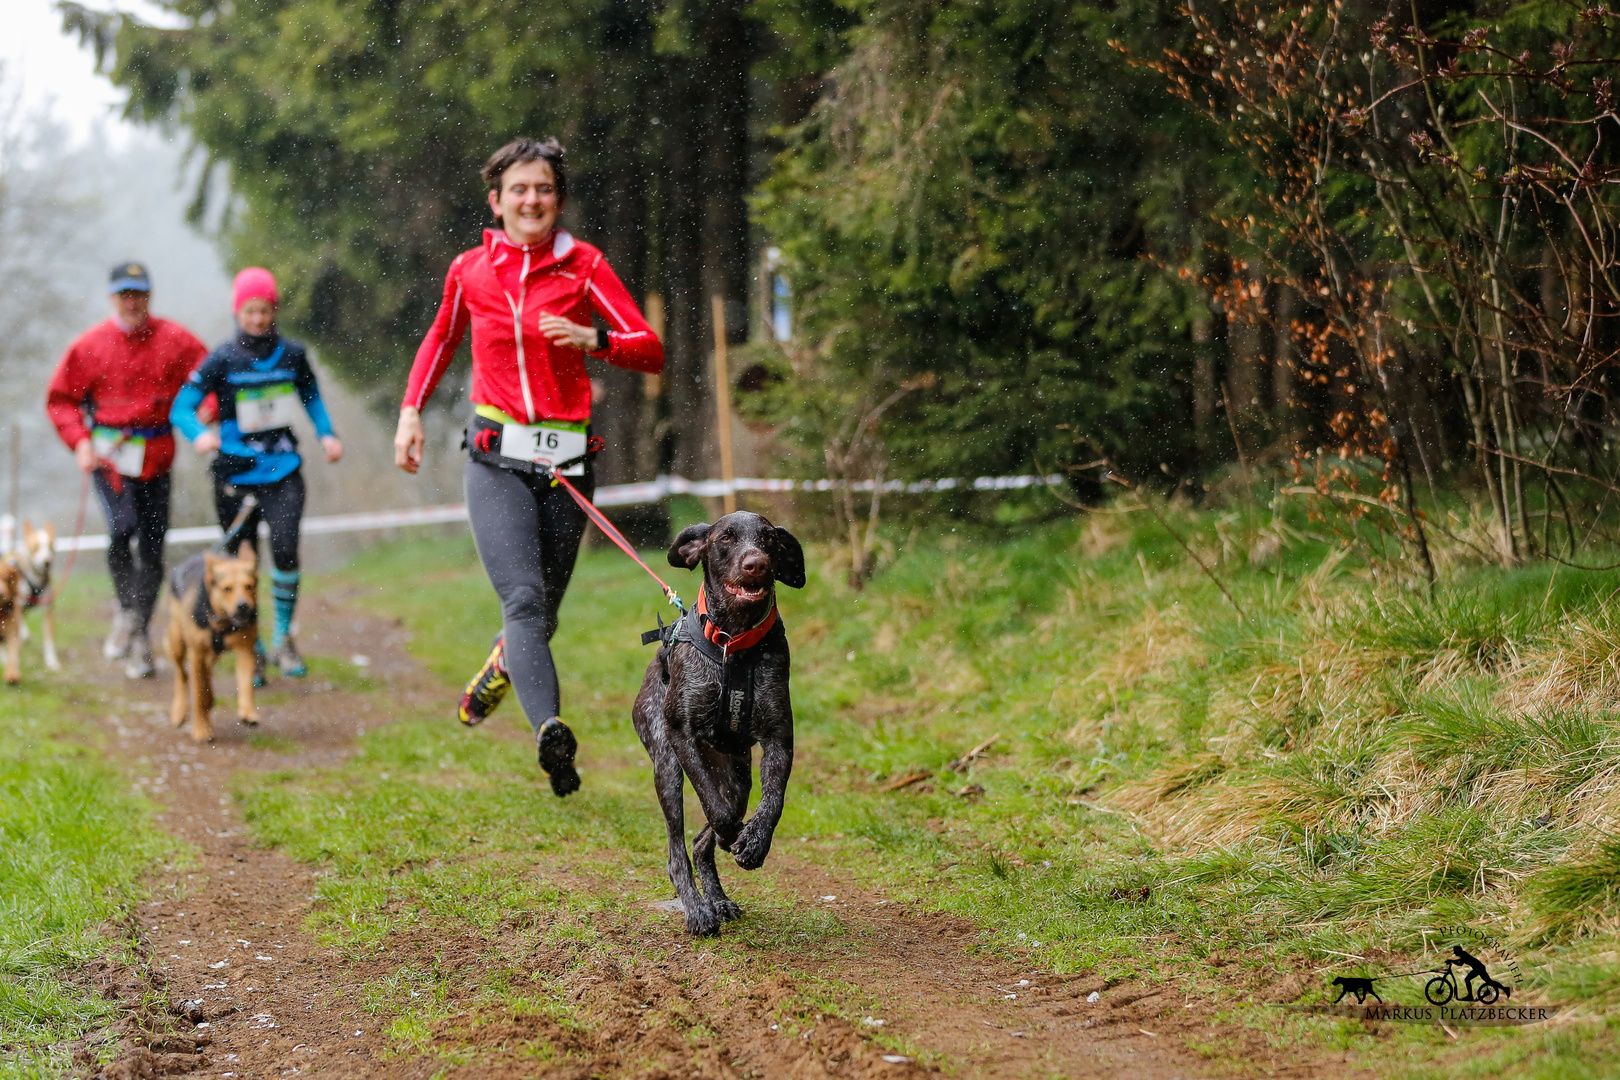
x=254 y=283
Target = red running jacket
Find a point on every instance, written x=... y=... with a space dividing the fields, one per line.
x=123 y=380
x=501 y=290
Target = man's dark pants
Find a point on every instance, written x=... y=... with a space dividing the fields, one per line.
x=137 y=519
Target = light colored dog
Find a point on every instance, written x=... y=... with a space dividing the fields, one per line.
x=213 y=606
x=25 y=582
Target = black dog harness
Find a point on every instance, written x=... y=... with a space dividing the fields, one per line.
x=731 y=731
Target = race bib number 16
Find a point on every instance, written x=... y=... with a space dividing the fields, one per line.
x=544 y=445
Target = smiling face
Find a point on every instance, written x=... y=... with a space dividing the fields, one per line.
x=527 y=203
x=256 y=317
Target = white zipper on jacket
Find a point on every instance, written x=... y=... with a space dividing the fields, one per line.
x=517 y=330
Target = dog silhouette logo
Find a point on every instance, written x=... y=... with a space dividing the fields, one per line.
x=1361 y=987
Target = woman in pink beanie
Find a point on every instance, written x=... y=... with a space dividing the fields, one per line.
x=260 y=379
x=254 y=283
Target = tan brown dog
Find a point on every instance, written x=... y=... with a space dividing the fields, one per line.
x=32 y=560
x=13 y=596
x=213 y=606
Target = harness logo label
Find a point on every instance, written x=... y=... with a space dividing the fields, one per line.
x=1461 y=992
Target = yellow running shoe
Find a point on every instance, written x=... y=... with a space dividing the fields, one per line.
x=488 y=688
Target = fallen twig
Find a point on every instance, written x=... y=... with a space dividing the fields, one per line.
x=972 y=755
x=907 y=781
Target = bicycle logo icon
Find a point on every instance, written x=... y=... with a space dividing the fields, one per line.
x=1443 y=988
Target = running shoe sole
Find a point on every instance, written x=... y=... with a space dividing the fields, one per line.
x=487 y=689
x=557 y=747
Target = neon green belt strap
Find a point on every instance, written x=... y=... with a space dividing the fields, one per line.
x=490 y=412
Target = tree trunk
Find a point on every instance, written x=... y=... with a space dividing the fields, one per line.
x=1282 y=368
x=1203 y=389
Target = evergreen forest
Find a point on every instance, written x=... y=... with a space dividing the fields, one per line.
x=1368 y=247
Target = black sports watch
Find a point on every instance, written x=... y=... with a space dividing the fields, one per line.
x=602 y=342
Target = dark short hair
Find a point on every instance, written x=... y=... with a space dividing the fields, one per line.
x=520 y=151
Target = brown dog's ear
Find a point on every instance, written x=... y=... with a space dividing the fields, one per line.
x=50 y=531
x=249 y=554
x=690 y=547
x=209 y=559
x=789 y=561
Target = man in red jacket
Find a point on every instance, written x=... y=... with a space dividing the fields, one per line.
x=110 y=400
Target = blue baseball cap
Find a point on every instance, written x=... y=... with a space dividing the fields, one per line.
x=129 y=276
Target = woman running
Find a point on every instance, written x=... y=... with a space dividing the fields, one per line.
x=260 y=379
x=528 y=293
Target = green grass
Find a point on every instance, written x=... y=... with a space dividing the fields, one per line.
x=1353 y=775
x=75 y=841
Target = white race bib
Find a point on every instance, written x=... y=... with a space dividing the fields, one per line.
x=265 y=408
x=544 y=445
x=126 y=454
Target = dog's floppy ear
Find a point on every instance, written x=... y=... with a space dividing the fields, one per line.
x=789 y=559
x=690 y=546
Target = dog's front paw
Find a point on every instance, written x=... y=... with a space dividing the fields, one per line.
x=249 y=719
x=751 y=846
x=702 y=920
x=728 y=910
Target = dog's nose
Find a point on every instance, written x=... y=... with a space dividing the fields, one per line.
x=755 y=564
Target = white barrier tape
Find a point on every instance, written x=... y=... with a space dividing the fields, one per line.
x=610 y=495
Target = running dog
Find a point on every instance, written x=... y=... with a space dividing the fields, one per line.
x=27 y=585
x=213 y=606
x=718 y=686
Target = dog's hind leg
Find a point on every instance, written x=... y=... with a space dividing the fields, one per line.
x=733 y=778
x=49 y=621
x=709 y=877
x=701 y=917
x=14 y=651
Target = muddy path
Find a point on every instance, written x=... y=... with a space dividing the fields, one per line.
x=235 y=986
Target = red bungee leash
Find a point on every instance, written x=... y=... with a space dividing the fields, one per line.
x=600 y=520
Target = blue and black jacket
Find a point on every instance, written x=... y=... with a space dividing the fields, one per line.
x=256 y=380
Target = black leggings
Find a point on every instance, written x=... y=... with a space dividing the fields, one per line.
x=281 y=503
x=137 y=520
x=528 y=535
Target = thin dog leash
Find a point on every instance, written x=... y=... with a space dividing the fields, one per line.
x=600 y=520
x=248 y=505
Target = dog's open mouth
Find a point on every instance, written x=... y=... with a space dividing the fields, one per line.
x=745 y=594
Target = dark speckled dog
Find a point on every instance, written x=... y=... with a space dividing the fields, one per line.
x=718 y=686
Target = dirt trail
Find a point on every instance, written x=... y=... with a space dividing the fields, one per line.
x=236 y=987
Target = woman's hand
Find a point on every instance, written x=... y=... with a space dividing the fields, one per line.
x=561 y=331
x=408 y=440
x=333 y=447
x=206 y=443
x=84 y=452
